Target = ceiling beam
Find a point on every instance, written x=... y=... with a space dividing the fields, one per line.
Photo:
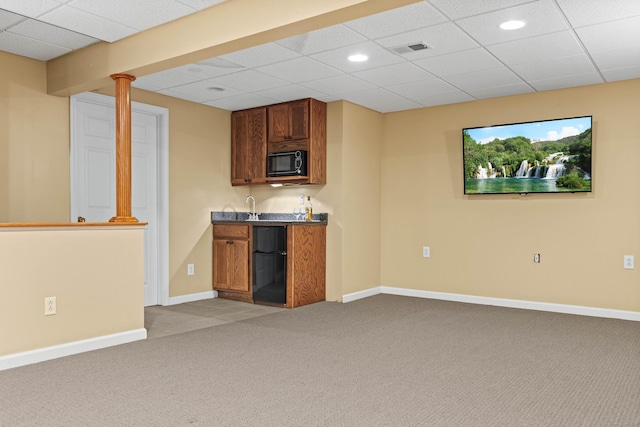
x=224 y=28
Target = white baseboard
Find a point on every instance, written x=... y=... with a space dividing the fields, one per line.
x=192 y=297
x=61 y=350
x=362 y=294
x=498 y=302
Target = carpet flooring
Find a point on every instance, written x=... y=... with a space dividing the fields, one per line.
x=381 y=361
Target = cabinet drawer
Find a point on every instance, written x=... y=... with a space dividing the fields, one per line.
x=228 y=231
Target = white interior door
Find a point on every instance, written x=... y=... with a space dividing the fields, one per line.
x=93 y=162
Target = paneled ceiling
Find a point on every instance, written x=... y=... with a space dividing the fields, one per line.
x=565 y=43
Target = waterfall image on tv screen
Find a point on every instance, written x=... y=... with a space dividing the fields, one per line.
x=548 y=156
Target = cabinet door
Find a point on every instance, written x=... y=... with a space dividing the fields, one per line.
x=279 y=122
x=249 y=146
x=289 y=121
x=299 y=112
x=306 y=264
x=239 y=260
x=231 y=265
x=221 y=264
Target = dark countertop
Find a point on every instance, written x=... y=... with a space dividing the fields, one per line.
x=267 y=218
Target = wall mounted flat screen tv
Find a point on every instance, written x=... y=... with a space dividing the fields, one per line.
x=546 y=156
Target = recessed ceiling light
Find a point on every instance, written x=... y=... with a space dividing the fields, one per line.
x=512 y=25
x=358 y=58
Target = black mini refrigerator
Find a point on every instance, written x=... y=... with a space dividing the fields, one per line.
x=270 y=264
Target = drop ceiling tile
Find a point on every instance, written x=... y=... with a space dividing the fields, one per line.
x=51 y=34
x=626 y=73
x=299 y=70
x=380 y=100
x=566 y=82
x=498 y=91
x=537 y=48
x=478 y=80
x=293 y=92
x=87 y=24
x=598 y=11
x=444 y=98
x=30 y=48
x=31 y=9
x=628 y=56
x=258 y=56
x=422 y=89
x=459 y=62
x=139 y=14
x=208 y=69
x=164 y=80
x=441 y=39
x=201 y=91
x=557 y=67
x=461 y=9
x=249 y=81
x=402 y=72
x=610 y=35
x=218 y=62
x=241 y=102
x=338 y=84
x=197 y=98
x=200 y=4
x=542 y=17
x=378 y=57
x=396 y=21
x=8 y=19
x=321 y=40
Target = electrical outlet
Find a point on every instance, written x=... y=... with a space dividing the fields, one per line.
x=190 y=270
x=301 y=201
x=49 y=306
x=628 y=262
x=426 y=252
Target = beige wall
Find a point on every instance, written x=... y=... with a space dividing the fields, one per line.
x=34 y=144
x=484 y=245
x=379 y=217
x=95 y=273
x=361 y=198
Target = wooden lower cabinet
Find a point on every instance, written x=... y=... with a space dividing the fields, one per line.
x=306 y=263
x=232 y=262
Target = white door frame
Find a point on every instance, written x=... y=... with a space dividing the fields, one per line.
x=162 y=179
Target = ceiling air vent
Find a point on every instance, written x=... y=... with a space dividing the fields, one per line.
x=412 y=47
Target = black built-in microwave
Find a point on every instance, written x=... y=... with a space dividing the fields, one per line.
x=288 y=163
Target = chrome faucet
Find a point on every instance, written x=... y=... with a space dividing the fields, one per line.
x=253 y=216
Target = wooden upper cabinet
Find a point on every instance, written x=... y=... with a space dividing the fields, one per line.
x=288 y=126
x=249 y=146
x=300 y=125
x=289 y=121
